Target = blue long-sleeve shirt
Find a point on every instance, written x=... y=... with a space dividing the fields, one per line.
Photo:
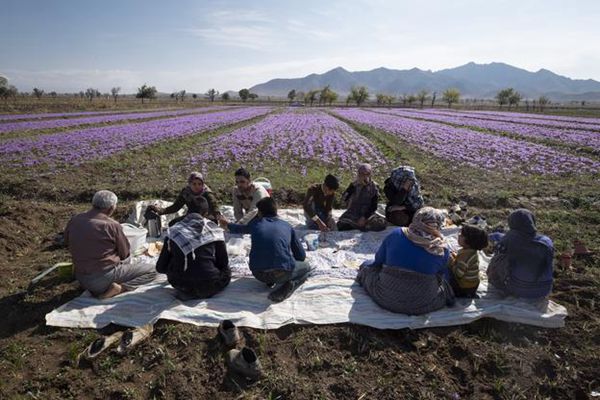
x=274 y=244
x=399 y=251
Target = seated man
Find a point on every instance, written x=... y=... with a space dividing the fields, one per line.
x=276 y=255
x=191 y=195
x=246 y=194
x=318 y=203
x=194 y=256
x=361 y=198
x=98 y=246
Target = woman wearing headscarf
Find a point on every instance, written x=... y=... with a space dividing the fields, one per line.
x=522 y=262
x=361 y=199
x=409 y=274
x=194 y=256
x=190 y=196
x=403 y=192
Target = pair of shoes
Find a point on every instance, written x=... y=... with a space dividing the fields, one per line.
x=132 y=337
x=229 y=334
x=99 y=345
x=580 y=249
x=244 y=363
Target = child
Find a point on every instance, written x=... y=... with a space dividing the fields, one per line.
x=464 y=266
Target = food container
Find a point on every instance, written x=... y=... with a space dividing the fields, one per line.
x=136 y=237
x=312 y=241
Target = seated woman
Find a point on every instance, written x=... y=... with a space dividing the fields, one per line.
x=190 y=197
x=403 y=192
x=409 y=274
x=522 y=263
x=361 y=198
x=194 y=257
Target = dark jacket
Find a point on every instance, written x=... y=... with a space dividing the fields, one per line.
x=208 y=265
x=274 y=244
x=186 y=198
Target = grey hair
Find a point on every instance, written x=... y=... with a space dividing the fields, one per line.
x=104 y=199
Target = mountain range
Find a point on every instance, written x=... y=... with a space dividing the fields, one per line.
x=481 y=81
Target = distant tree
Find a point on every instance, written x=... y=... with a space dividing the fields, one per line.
x=90 y=93
x=359 y=94
x=38 y=93
x=194 y=96
x=383 y=99
x=115 y=92
x=182 y=95
x=81 y=94
x=146 y=92
x=514 y=99
x=411 y=99
x=253 y=96
x=327 y=96
x=422 y=97
x=173 y=96
x=6 y=90
x=225 y=96
x=451 y=96
x=503 y=96
x=291 y=95
x=433 y=99
x=582 y=103
x=311 y=96
x=53 y=94
x=212 y=94
x=543 y=101
x=244 y=94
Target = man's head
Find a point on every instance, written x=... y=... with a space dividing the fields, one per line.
x=196 y=182
x=105 y=201
x=364 y=173
x=267 y=207
x=242 y=179
x=330 y=185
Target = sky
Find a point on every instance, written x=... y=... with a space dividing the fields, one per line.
x=70 y=45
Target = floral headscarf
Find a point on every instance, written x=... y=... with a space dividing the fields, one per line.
x=425 y=230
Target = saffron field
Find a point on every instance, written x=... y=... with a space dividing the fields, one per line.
x=51 y=164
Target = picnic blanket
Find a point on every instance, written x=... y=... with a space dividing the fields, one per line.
x=329 y=296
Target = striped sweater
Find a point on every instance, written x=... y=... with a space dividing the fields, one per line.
x=465 y=268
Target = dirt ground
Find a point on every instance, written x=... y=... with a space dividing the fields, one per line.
x=484 y=360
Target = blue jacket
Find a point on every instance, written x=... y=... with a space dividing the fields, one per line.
x=274 y=244
x=399 y=251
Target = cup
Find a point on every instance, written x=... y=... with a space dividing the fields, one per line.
x=312 y=241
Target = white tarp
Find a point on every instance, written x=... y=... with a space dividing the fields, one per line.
x=329 y=296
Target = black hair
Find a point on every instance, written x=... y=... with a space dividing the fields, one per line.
x=475 y=237
x=242 y=172
x=267 y=207
x=332 y=182
x=200 y=205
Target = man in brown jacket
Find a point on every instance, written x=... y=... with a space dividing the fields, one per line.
x=318 y=204
x=99 y=246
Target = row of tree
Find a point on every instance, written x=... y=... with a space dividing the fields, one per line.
x=360 y=94
x=511 y=97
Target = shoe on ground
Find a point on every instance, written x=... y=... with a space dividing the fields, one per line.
x=99 y=345
x=229 y=334
x=244 y=363
x=133 y=337
x=580 y=249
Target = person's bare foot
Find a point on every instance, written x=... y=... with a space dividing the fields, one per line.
x=113 y=290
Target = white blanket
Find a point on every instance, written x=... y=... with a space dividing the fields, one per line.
x=329 y=296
